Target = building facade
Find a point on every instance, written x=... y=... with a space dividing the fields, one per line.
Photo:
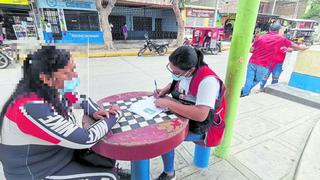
x=72 y=21
x=154 y=17
x=283 y=8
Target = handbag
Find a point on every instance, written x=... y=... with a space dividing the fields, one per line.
x=90 y=158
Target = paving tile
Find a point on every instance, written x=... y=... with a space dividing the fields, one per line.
x=297 y=135
x=156 y=165
x=265 y=99
x=309 y=166
x=287 y=113
x=235 y=140
x=253 y=126
x=245 y=106
x=269 y=160
x=219 y=171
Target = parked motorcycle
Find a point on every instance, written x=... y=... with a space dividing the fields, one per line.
x=153 y=47
x=6 y=56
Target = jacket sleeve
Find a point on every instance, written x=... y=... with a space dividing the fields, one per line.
x=82 y=102
x=65 y=130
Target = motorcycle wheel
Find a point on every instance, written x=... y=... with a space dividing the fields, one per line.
x=220 y=48
x=162 y=51
x=214 y=51
x=4 y=61
x=141 y=52
x=308 y=43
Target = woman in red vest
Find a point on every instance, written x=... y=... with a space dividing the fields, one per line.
x=197 y=94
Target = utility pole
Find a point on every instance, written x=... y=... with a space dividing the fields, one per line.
x=296 y=11
x=241 y=41
x=35 y=21
x=274 y=6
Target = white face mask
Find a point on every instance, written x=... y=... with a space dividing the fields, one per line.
x=180 y=77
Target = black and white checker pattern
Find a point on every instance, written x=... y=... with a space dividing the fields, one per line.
x=130 y=120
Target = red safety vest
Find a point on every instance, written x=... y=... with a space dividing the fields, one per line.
x=214 y=133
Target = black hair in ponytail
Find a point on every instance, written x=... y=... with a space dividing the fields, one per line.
x=186 y=57
x=200 y=58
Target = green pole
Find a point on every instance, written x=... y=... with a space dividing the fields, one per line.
x=240 y=45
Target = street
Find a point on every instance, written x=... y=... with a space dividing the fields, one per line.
x=101 y=77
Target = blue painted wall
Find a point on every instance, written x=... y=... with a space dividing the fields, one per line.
x=306 y=82
x=167 y=16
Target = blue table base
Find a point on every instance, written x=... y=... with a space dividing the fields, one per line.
x=140 y=170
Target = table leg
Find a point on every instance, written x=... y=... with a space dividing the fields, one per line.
x=140 y=170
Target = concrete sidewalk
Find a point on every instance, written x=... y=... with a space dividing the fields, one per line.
x=267 y=138
x=268 y=133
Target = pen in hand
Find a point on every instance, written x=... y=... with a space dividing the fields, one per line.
x=155 y=84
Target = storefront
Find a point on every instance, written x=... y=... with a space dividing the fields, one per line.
x=18 y=21
x=157 y=21
x=72 y=21
x=198 y=14
x=199 y=17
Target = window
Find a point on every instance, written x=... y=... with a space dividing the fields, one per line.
x=142 y=23
x=81 y=20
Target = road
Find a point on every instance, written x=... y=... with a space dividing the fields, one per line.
x=106 y=76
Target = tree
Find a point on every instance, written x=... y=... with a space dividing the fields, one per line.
x=179 y=19
x=314 y=11
x=104 y=8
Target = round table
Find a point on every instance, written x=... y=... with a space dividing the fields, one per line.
x=139 y=145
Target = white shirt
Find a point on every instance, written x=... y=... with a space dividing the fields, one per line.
x=208 y=91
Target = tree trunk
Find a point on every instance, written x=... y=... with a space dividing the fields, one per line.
x=179 y=19
x=104 y=20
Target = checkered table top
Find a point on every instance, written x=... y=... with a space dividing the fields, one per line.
x=130 y=120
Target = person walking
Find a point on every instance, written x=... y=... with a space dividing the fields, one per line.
x=265 y=51
x=48 y=35
x=125 y=31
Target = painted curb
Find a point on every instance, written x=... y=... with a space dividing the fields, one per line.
x=107 y=54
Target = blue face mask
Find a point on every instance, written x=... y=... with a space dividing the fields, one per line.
x=70 y=85
x=180 y=77
x=177 y=78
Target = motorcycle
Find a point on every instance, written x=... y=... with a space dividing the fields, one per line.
x=160 y=49
x=6 y=56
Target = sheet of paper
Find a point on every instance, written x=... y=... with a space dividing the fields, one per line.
x=146 y=108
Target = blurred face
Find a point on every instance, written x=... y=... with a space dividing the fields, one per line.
x=60 y=76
